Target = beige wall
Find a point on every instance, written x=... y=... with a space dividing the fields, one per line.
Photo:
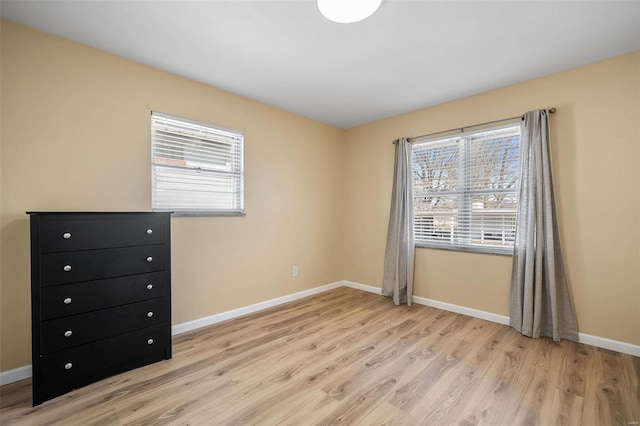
x=76 y=136
x=596 y=156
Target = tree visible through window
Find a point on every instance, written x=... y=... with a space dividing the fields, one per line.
x=465 y=190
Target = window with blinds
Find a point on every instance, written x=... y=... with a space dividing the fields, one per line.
x=465 y=190
x=196 y=168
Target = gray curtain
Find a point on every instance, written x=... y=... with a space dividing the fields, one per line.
x=399 y=255
x=540 y=304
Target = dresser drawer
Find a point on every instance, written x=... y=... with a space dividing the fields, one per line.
x=65 y=233
x=81 y=365
x=70 y=299
x=66 y=332
x=77 y=266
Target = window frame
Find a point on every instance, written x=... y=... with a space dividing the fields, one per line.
x=236 y=143
x=465 y=194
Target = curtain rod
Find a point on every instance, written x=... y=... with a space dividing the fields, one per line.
x=551 y=111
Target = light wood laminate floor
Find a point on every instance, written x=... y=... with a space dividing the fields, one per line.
x=353 y=358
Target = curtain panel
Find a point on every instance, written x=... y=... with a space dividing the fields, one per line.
x=540 y=304
x=400 y=251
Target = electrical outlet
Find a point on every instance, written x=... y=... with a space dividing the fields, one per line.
x=294 y=271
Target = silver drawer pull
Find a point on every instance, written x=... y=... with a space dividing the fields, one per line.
x=149 y=231
x=149 y=286
x=67 y=268
x=149 y=314
x=150 y=342
x=66 y=235
x=149 y=259
x=68 y=366
x=68 y=333
x=67 y=301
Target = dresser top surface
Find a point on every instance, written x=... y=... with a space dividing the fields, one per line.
x=93 y=213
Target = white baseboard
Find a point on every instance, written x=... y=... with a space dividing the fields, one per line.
x=15 y=375
x=476 y=313
x=501 y=319
x=24 y=372
x=587 y=339
x=234 y=313
x=613 y=345
x=363 y=287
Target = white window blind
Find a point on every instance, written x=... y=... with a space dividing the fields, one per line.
x=196 y=168
x=465 y=190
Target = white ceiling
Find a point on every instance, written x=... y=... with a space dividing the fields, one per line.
x=408 y=55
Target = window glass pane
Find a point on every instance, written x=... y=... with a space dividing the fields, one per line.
x=466 y=190
x=195 y=167
x=493 y=219
x=436 y=218
x=493 y=162
x=436 y=167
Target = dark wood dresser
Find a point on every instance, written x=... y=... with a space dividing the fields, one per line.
x=100 y=296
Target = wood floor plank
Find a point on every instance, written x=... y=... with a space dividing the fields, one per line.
x=325 y=373
x=385 y=414
x=566 y=409
x=350 y=357
x=442 y=404
x=615 y=385
x=497 y=395
x=545 y=374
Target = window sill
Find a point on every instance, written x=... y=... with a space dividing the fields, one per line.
x=197 y=213
x=481 y=250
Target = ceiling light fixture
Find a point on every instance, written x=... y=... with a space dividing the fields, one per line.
x=348 y=11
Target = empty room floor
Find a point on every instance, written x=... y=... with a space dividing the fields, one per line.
x=351 y=357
